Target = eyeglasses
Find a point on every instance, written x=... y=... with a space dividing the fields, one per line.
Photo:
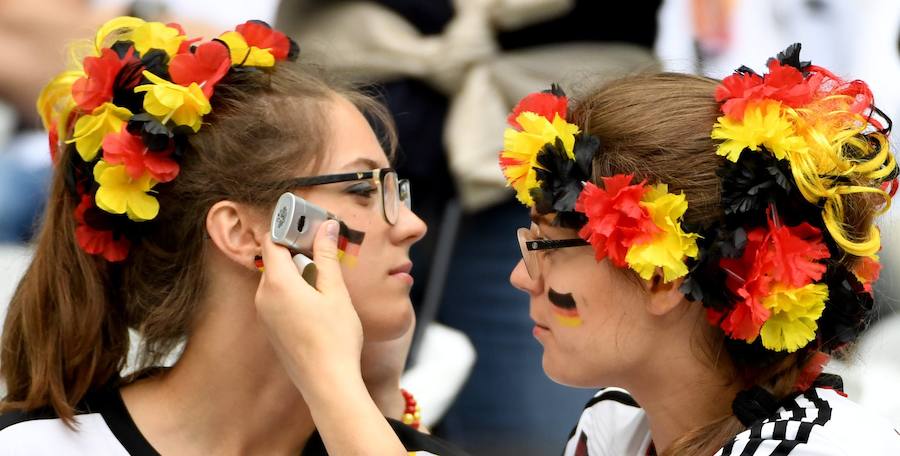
x=393 y=191
x=529 y=246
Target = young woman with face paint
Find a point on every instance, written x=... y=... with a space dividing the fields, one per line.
x=698 y=251
x=170 y=155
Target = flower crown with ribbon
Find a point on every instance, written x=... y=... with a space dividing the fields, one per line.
x=797 y=142
x=128 y=109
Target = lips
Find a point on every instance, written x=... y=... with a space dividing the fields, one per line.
x=403 y=268
x=539 y=325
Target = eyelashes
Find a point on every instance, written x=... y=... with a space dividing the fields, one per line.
x=561 y=300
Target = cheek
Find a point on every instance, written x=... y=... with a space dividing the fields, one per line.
x=385 y=312
x=568 y=359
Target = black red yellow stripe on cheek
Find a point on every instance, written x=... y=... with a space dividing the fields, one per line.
x=349 y=242
x=564 y=308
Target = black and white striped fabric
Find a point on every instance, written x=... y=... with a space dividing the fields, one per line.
x=611 y=424
x=820 y=422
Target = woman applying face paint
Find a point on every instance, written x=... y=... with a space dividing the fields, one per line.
x=690 y=248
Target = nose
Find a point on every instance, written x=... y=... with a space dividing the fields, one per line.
x=409 y=227
x=520 y=279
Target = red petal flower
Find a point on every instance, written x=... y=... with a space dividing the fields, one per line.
x=744 y=321
x=786 y=255
x=206 y=66
x=736 y=90
x=97 y=242
x=96 y=88
x=53 y=137
x=542 y=103
x=867 y=270
x=265 y=37
x=616 y=220
x=128 y=149
x=787 y=84
x=794 y=255
x=185 y=46
x=83 y=206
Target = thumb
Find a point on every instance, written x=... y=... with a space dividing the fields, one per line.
x=325 y=255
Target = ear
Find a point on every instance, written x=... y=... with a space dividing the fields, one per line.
x=663 y=297
x=236 y=231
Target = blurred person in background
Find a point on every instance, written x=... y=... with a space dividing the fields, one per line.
x=449 y=72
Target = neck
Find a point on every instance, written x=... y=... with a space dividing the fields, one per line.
x=680 y=393
x=227 y=394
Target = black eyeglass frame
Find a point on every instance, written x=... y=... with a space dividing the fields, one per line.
x=527 y=245
x=404 y=194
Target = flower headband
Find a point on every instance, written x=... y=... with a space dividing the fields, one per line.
x=548 y=161
x=128 y=108
x=797 y=141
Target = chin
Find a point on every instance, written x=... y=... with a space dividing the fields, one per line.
x=565 y=373
x=388 y=325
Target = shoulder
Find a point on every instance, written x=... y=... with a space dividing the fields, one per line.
x=43 y=432
x=820 y=422
x=612 y=422
x=101 y=426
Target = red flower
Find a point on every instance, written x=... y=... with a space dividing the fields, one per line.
x=53 y=137
x=185 y=45
x=787 y=255
x=746 y=279
x=206 y=66
x=83 y=206
x=128 y=149
x=259 y=34
x=96 y=87
x=794 y=255
x=867 y=270
x=736 y=90
x=542 y=103
x=744 y=321
x=98 y=242
x=101 y=242
x=787 y=84
x=783 y=83
x=616 y=220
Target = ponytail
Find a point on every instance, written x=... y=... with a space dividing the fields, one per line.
x=63 y=334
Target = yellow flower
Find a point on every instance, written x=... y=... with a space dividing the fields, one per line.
x=794 y=314
x=91 y=128
x=764 y=124
x=56 y=97
x=120 y=194
x=156 y=35
x=116 y=29
x=520 y=149
x=672 y=245
x=166 y=100
x=244 y=54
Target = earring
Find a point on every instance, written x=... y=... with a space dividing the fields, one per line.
x=258 y=261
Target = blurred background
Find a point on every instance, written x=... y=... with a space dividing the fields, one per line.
x=449 y=71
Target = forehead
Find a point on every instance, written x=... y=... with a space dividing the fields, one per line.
x=353 y=145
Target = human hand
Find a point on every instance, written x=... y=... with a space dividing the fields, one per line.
x=318 y=338
x=315 y=331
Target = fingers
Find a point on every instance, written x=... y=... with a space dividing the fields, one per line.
x=325 y=255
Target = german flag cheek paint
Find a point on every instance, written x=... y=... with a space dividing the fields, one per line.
x=564 y=309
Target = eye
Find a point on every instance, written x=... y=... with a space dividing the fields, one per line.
x=362 y=189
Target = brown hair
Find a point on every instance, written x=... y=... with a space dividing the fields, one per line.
x=657 y=127
x=66 y=330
